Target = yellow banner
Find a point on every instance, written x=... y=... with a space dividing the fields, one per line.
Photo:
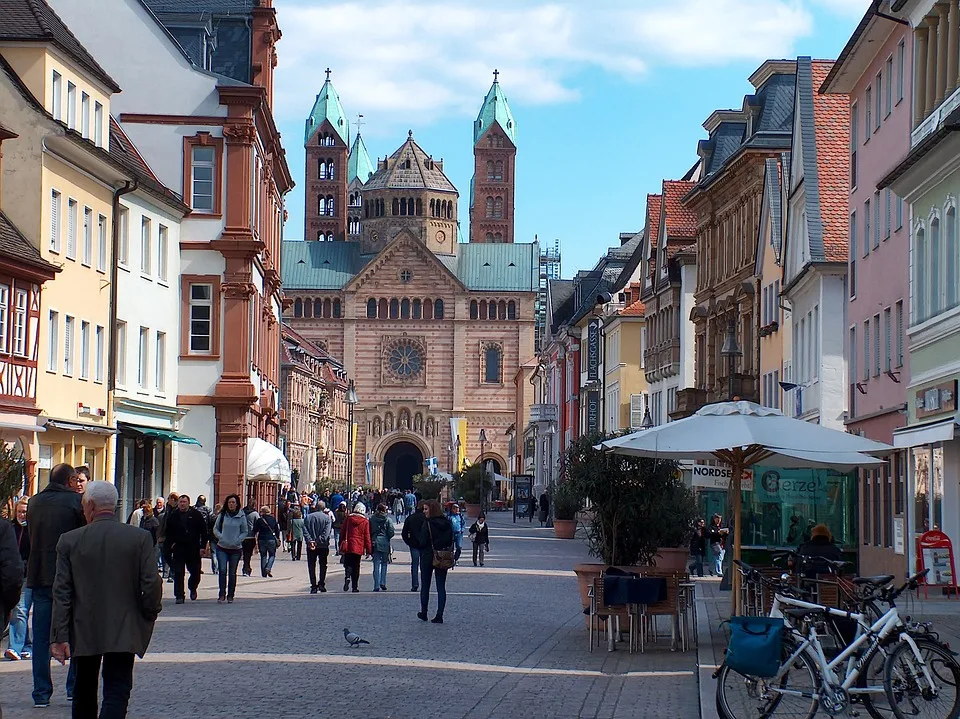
x=458 y=431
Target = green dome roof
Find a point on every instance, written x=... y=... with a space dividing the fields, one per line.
x=495 y=110
x=328 y=107
x=359 y=165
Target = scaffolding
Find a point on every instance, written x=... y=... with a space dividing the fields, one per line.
x=549 y=270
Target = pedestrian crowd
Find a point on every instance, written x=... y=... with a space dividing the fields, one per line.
x=93 y=585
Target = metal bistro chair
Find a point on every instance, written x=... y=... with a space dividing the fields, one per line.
x=669 y=607
x=600 y=610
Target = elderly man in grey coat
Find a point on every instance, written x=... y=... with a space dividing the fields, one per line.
x=106 y=598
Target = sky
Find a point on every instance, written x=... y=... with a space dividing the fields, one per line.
x=609 y=96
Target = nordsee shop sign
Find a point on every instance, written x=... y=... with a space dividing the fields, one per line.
x=718 y=477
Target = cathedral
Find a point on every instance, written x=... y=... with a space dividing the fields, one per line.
x=437 y=333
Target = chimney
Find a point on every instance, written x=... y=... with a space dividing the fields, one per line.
x=5 y=134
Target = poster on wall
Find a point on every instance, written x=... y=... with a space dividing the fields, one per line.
x=898 y=543
x=522 y=495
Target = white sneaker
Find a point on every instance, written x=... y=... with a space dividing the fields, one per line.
x=11 y=655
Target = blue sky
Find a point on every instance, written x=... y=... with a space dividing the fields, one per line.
x=609 y=96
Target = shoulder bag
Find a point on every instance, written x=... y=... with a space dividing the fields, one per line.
x=442 y=558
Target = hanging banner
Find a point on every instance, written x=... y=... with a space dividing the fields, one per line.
x=593 y=411
x=593 y=351
x=458 y=437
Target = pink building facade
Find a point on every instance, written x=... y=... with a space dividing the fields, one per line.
x=874 y=70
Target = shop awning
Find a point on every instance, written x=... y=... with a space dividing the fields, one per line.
x=919 y=435
x=167 y=435
x=77 y=427
x=18 y=426
x=266 y=463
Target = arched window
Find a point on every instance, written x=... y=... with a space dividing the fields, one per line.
x=366 y=211
x=490 y=166
x=331 y=170
x=308 y=309
x=511 y=310
x=498 y=237
x=450 y=210
x=498 y=171
x=419 y=207
x=950 y=261
x=489 y=237
x=474 y=310
x=327 y=308
x=321 y=169
x=298 y=308
x=483 y=309
x=933 y=272
x=498 y=207
x=438 y=309
x=321 y=205
x=382 y=309
x=394 y=308
x=318 y=309
x=337 y=309
x=371 y=309
x=433 y=212
x=489 y=207
x=492 y=364
x=410 y=206
x=502 y=310
x=404 y=309
x=403 y=206
x=320 y=236
x=330 y=208
x=427 y=309
x=417 y=309
x=493 y=310
x=396 y=206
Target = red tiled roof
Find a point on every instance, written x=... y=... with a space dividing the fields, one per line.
x=653 y=219
x=632 y=310
x=831 y=115
x=681 y=222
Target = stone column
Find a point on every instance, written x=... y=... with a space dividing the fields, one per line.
x=953 y=45
x=930 y=86
x=920 y=35
x=943 y=31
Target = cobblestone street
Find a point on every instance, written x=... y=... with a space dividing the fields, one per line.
x=514 y=645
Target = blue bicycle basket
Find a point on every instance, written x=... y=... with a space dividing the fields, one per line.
x=755 y=645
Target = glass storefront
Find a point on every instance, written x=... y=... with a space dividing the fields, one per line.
x=785 y=504
x=141 y=471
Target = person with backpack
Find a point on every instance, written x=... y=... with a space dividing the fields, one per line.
x=436 y=558
x=230 y=531
x=381 y=532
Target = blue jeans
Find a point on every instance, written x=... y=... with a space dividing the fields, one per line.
x=380 y=570
x=458 y=543
x=415 y=567
x=718 y=553
x=42 y=617
x=336 y=541
x=213 y=558
x=268 y=553
x=19 y=636
x=427 y=572
x=227 y=563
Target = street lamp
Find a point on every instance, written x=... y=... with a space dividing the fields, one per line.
x=731 y=350
x=647 y=422
x=351 y=401
x=483 y=468
x=551 y=432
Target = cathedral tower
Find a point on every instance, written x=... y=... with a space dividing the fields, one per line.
x=327 y=141
x=359 y=170
x=409 y=191
x=494 y=153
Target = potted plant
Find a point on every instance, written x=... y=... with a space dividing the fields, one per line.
x=473 y=484
x=567 y=502
x=641 y=512
x=429 y=486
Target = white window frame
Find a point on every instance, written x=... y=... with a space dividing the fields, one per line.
x=124 y=221
x=98 y=124
x=56 y=219
x=53 y=341
x=212 y=165
x=84 y=372
x=69 y=340
x=121 y=330
x=888 y=94
x=20 y=310
x=160 y=359
x=99 y=353
x=102 y=246
x=87 y=258
x=84 y=115
x=143 y=359
x=71 y=105
x=193 y=302
x=72 y=219
x=901 y=68
x=146 y=244
x=56 y=105
x=162 y=252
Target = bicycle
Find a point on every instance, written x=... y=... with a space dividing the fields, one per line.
x=913 y=678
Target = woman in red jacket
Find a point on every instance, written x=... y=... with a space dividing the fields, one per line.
x=354 y=543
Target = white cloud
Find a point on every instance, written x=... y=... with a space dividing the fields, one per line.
x=405 y=62
x=846 y=8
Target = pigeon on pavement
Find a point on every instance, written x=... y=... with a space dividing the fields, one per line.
x=354 y=640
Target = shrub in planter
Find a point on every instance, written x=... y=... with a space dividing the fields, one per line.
x=472 y=484
x=429 y=485
x=13 y=469
x=639 y=505
x=567 y=501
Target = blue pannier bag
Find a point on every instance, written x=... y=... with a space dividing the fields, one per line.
x=755 y=645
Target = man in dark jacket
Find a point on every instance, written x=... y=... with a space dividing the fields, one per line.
x=186 y=535
x=106 y=600
x=410 y=534
x=52 y=512
x=11 y=574
x=698 y=548
x=317 y=530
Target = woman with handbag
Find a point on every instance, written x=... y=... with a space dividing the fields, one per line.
x=381 y=531
x=267 y=531
x=436 y=557
x=354 y=544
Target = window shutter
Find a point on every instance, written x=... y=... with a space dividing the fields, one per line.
x=55 y=221
x=636 y=411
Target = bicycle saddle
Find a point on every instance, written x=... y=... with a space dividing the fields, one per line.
x=877 y=581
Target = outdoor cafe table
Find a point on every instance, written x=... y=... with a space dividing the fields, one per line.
x=627 y=589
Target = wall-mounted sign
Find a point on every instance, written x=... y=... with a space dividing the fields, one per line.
x=543 y=413
x=718 y=477
x=937 y=400
x=898 y=541
x=593 y=411
x=593 y=351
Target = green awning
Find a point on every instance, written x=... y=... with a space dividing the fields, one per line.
x=168 y=435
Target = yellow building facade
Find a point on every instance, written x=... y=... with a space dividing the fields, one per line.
x=626 y=384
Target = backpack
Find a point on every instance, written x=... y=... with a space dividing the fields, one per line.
x=381 y=542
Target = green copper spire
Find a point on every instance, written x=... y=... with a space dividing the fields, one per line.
x=495 y=110
x=359 y=165
x=328 y=107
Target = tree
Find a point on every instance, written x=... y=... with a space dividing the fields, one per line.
x=472 y=484
x=13 y=469
x=639 y=505
x=429 y=486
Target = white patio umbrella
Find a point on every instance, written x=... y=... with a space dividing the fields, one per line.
x=742 y=434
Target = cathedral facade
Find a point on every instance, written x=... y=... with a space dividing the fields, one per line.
x=433 y=330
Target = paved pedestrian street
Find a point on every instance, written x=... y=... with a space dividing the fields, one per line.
x=513 y=644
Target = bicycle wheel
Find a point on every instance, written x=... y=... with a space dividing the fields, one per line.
x=745 y=697
x=908 y=691
x=872 y=675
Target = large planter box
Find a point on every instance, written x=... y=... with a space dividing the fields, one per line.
x=565 y=528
